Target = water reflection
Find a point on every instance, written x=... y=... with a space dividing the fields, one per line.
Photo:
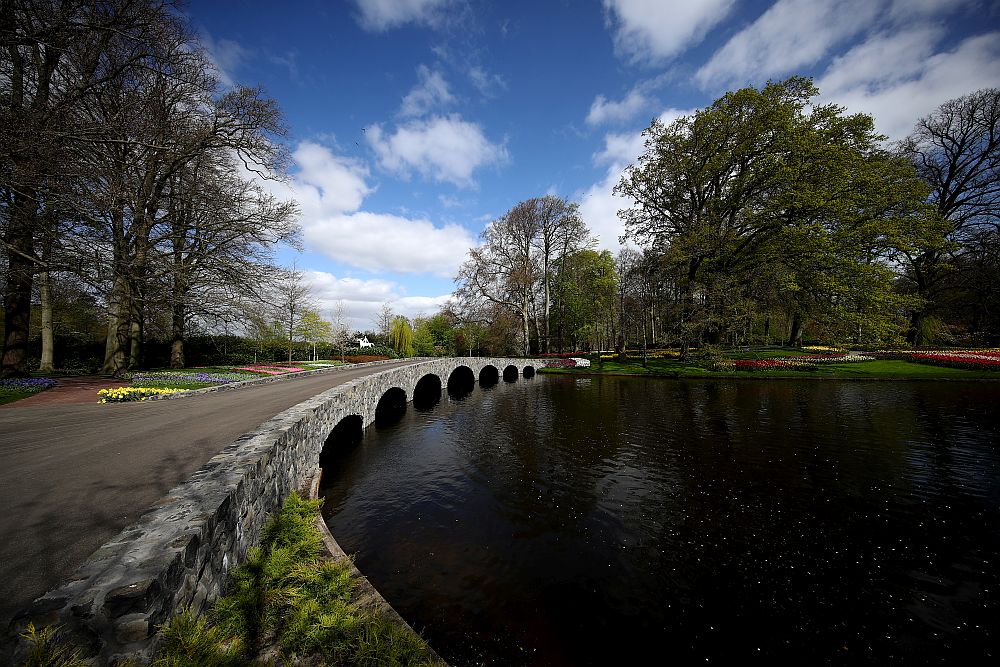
x=577 y=521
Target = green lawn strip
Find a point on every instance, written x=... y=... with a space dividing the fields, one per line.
x=887 y=369
x=289 y=599
x=11 y=395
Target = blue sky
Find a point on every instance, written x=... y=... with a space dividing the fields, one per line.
x=413 y=123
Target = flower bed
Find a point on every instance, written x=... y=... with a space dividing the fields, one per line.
x=269 y=370
x=129 y=394
x=571 y=362
x=823 y=348
x=362 y=358
x=976 y=360
x=181 y=376
x=840 y=358
x=27 y=385
x=763 y=365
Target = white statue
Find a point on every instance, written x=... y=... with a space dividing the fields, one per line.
x=363 y=342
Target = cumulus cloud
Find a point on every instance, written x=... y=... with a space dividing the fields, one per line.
x=382 y=15
x=325 y=183
x=790 y=35
x=653 y=30
x=385 y=242
x=897 y=100
x=431 y=92
x=362 y=299
x=445 y=148
x=603 y=110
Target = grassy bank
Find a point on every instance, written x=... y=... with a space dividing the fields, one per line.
x=288 y=604
x=887 y=369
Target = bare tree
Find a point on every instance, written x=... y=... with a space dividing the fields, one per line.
x=956 y=150
x=292 y=301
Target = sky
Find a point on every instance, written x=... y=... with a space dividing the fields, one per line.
x=414 y=123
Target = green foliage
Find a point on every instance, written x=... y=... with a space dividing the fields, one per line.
x=401 y=336
x=188 y=641
x=382 y=643
x=47 y=650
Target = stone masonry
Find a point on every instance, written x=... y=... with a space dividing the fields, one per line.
x=179 y=553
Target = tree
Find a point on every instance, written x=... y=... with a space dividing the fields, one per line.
x=401 y=336
x=956 y=150
x=383 y=321
x=293 y=301
x=312 y=328
x=766 y=180
x=340 y=329
x=54 y=56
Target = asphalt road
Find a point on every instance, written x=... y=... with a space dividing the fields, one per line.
x=73 y=476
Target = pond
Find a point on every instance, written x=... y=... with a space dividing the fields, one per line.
x=571 y=521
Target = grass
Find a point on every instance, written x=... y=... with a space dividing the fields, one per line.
x=287 y=597
x=879 y=369
x=11 y=395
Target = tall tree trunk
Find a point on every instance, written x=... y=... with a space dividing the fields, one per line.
x=20 y=274
x=795 y=335
x=116 y=344
x=177 y=332
x=48 y=343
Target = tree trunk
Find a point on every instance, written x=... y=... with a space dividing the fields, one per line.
x=177 y=333
x=48 y=344
x=17 y=300
x=116 y=343
x=795 y=335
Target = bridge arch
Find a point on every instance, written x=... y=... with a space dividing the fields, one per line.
x=489 y=376
x=342 y=439
x=510 y=373
x=461 y=381
x=390 y=407
x=529 y=371
x=427 y=392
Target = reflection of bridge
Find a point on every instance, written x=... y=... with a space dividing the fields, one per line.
x=177 y=554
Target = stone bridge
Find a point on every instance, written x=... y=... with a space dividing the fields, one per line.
x=178 y=554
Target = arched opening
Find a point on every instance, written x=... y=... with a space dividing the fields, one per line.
x=510 y=374
x=391 y=407
x=461 y=382
x=427 y=393
x=344 y=437
x=489 y=376
x=529 y=371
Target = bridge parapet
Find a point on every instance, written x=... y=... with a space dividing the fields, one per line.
x=178 y=554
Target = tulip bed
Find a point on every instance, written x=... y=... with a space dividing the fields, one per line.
x=977 y=360
x=130 y=394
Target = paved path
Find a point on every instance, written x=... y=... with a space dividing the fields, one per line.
x=72 y=476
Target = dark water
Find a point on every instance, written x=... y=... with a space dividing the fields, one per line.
x=576 y=521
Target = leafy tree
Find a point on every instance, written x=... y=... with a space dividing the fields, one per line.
x=401 y=336
x=314 y=329
x=766 y=181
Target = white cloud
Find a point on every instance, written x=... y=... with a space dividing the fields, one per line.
x=909 y=79
x=487 y=83
x=227 y=55
x=653 y=30
x=362 y=299
x=603 y=110
x=381 y=15
x=445 y=148
x=431 y=92
x=790 y=35
x=385 y=242
x=325 y=183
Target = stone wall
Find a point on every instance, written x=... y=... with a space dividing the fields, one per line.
x=179 y=553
